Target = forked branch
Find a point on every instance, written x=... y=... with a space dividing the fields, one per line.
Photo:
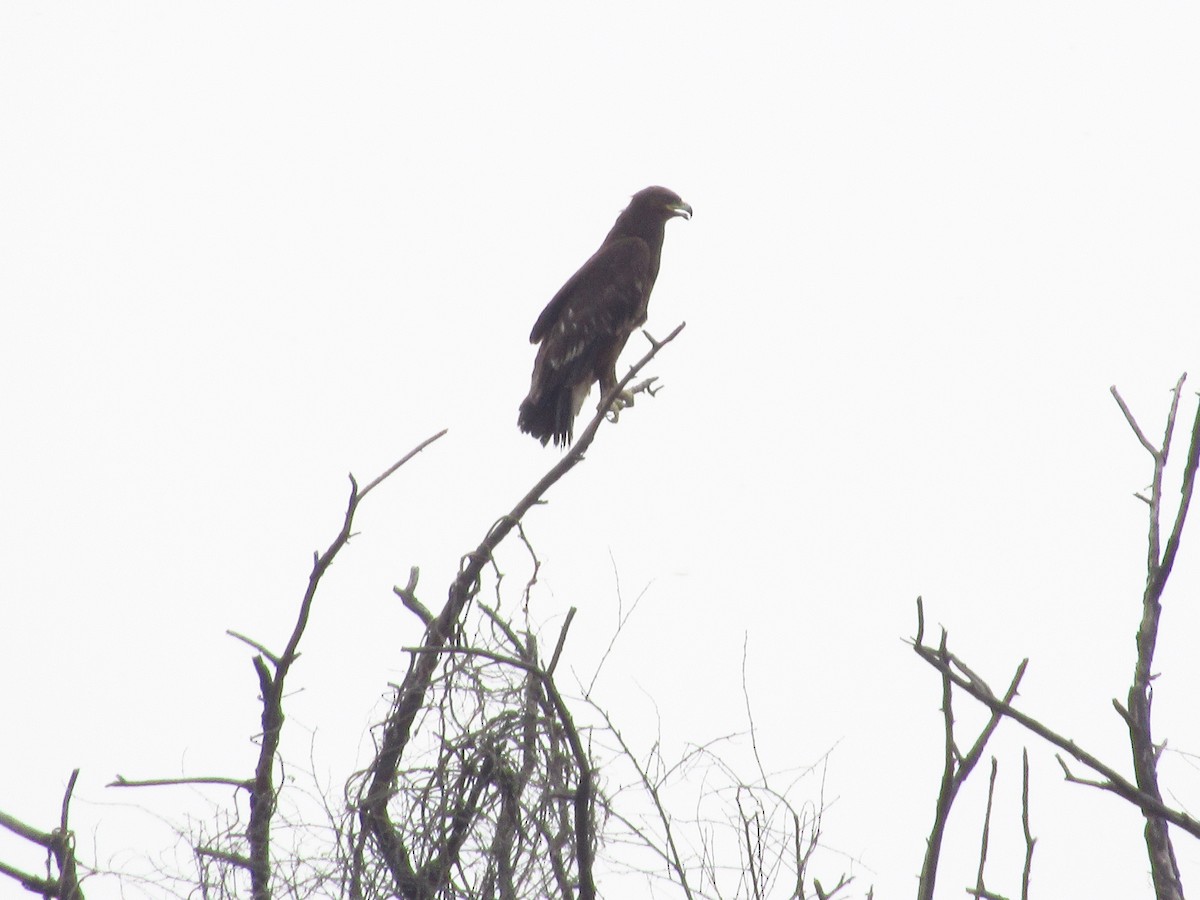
x=1111 y=780
x=956 y=765
x=271 y=670
x=60 y=847
x=1159 y=562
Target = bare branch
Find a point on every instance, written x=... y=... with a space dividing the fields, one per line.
x=255 y=645
x=408 y=596
x=373 y=812
x=1114 y=783
x=622 y=618
x=28 y=832
x=32 y=883
x=262 y=787
x=1186 y=489
x=1150 y=448
x=122 y=781
x=233 y=859
x=671 y=855
x=562 y=639
x=1137 y=711
x=396 y=465
x=749 y=711
x=1030 y=840
x=956 y=767
x=980 y=888
x=60 y=843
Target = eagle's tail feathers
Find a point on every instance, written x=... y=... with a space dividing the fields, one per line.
x=551 y=417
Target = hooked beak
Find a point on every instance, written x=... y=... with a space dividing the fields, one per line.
x=681 y=209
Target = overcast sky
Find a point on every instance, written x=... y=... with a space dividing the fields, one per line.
x=246 y=249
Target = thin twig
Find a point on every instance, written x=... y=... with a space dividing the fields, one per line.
x=254 y=645
x=980 y=887
x=396 y=465
x=671 y=855
x=122 y=781
x=1030 y=840
x=562 y=639
x=1150 y=448
x=622 y=618
x=749 y=711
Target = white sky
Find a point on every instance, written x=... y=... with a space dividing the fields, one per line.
x=246 y=249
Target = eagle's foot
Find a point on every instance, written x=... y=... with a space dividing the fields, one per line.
x=622 y=400
x=626 y=397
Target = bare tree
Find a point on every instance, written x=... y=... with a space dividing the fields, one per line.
x=489 y=779
x=481 y=784
x=1142 y=790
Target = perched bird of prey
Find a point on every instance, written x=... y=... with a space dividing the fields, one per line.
x=583 y=329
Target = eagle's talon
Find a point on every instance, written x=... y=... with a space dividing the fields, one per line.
x=622 y=400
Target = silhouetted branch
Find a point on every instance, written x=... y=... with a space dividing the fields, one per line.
x=408 y=596
x=980 y=888
x=271 y=670
x=374 y=817
x=956 y=766
x=122 y=781
x=1159 y=562
x=670 y=853
x=1030 y=840
x=950 y=666
x=59 y=844
x=234 y=859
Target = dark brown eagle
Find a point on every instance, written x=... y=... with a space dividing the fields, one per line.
x=584 y=328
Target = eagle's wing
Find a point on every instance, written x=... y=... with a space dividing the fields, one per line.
x=582 y=332
x=600 y=304
x=615 y=277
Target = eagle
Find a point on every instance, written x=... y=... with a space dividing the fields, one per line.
x=584 y=327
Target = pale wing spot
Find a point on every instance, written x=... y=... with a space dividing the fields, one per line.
x=573 y=352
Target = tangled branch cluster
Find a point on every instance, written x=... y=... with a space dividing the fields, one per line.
x=485 y=805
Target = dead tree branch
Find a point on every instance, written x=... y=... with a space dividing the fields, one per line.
x=1143 y=791
x=1137 y=711
x=421 y=881
x=272 y=670
x=60 y=847
x=950 y=666
x=980 y=887
x=1030 y=840
x=122 y=781
x=956 y=766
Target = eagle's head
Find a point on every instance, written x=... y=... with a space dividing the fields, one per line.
x=660 y=203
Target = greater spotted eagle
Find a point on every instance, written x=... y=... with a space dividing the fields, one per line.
x=583 y=329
